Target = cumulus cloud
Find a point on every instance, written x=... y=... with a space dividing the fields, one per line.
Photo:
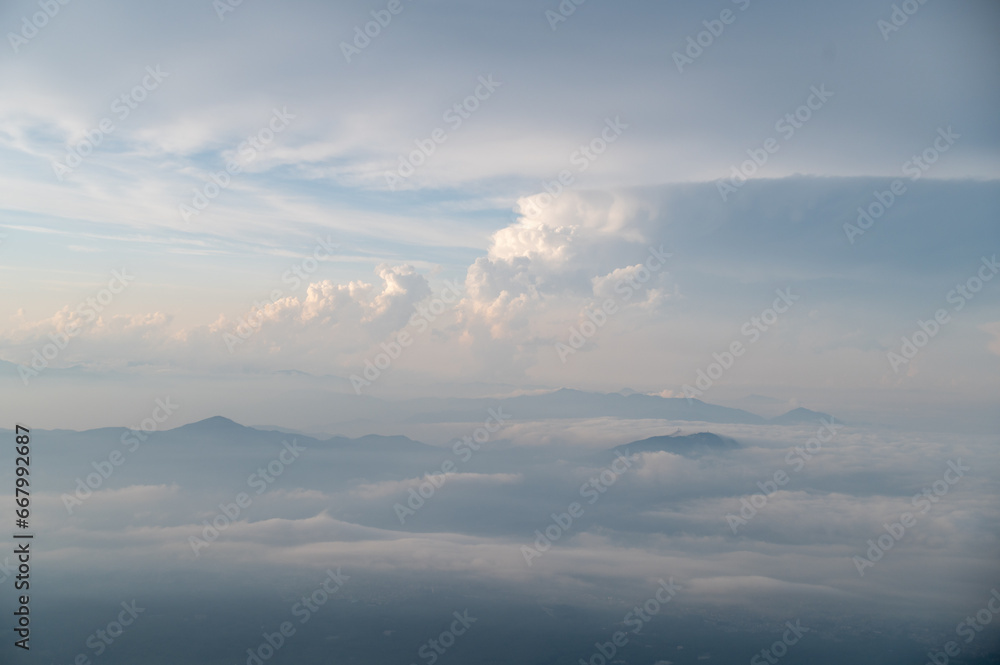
x=544 y=273
x=348 y=317
x=379 y=308
x=555 y=259
x=84 y=337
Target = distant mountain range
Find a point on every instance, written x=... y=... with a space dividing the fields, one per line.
x=224 y=429
x=220 y=428
x=688 y=445
x=568 y=403
x=218 y=452
x=799 y=416
x=339 y=408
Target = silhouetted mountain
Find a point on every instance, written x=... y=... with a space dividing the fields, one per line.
x=218 y=452
x=688 y=445
x=215 y=424
x=568 y=403
x=228 y=432
x=800 y=415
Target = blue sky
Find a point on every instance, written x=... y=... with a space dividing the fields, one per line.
x=527 y=278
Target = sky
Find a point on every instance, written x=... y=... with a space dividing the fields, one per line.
x=534 y=158
x=233 y=233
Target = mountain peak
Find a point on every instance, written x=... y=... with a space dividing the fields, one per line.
x=688 y=445
x=800 y=415
x=214 y=423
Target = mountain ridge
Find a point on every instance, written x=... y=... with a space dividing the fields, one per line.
x=692 y=445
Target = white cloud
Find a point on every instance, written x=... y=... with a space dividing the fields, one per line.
x=540 y=271
x=390 y=488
